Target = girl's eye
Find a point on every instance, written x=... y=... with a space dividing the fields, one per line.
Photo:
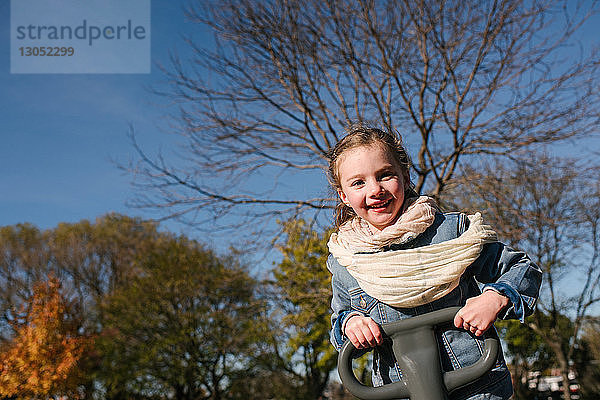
x=357 y=182
x=386 y=175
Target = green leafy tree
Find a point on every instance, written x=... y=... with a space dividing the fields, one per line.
x=97 y=258
x=117 y=256
x=303 y=287
x=527 y=352
x=589 y=377
x=90 y=259
x=186 y=327
x=24 y=260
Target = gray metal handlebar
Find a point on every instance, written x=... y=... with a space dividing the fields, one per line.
x=416 y=351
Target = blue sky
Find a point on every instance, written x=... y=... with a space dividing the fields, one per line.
x=61 y=132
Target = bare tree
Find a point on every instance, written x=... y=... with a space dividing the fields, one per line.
x=550 y=208
x=267 y=100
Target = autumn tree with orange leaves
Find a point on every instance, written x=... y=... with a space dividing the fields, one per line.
x=41 y=359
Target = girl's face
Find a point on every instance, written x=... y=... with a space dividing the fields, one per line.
x=372 y=184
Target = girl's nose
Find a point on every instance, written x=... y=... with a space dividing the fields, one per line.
x=375 y=189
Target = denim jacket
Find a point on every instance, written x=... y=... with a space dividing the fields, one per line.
x=498 y=267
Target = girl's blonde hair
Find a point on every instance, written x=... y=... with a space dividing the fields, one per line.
x=359 y=135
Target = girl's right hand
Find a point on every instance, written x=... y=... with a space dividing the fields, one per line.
x=363 y=332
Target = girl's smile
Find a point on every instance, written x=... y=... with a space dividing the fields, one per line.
x=372 y=185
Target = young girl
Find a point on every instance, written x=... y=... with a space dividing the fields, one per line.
x=395 y=255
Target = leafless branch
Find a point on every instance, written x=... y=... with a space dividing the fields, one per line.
x=459 y=80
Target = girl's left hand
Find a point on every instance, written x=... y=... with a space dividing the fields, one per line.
x=480 y=312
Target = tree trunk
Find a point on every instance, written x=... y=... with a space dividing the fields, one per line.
x=563 y=363
x=566 y=389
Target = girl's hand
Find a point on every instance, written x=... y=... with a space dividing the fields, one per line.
x=480 y=312
x=363 y=332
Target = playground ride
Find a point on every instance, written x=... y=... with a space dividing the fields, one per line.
x=416 y=351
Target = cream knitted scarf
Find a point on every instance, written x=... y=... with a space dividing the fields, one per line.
x=411 y=277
